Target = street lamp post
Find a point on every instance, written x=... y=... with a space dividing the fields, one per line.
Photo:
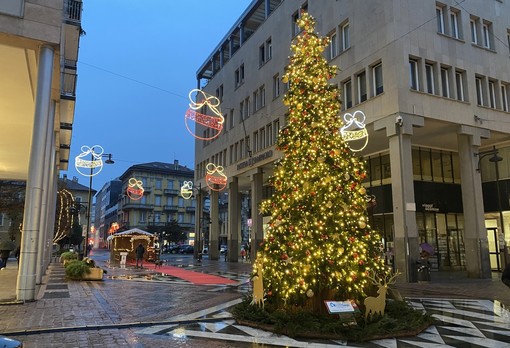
x=89 y=204
x=494 y=159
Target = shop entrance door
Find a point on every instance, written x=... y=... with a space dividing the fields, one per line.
x=494 y=254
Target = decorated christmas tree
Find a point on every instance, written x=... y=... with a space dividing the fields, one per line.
x=318 y=244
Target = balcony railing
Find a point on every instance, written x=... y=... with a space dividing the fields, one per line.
x=190 y=209
x=68 y=85
x=171 y=207
x=138 y=206
x=171 y=192
x=72 y=11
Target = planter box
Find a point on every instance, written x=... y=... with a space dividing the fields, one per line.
x=95 y=274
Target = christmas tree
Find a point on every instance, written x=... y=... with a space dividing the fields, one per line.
x=318 y=244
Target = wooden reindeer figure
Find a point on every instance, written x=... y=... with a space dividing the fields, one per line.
x=377 y=304
x=258 y=286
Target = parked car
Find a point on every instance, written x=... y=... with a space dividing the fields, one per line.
x=223 y=249
x=6 y=342
x=205 y=250
x=174 y=249
x=186 y=249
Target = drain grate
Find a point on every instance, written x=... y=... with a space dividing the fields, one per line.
x=56 y=287
x=56 y=294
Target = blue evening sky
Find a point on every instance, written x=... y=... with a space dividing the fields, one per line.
x=136 y=65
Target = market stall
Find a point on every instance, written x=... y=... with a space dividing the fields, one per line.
x=127 y=241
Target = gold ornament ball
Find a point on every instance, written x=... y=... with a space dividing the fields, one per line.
x=362 y=224
x=363 y=190
x=309 y=293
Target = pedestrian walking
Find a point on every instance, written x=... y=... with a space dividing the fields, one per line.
x=4 y=256
x=243 y=254
x=140 y=250
x=505 y=277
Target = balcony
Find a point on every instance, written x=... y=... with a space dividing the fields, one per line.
x=174 y=192
x=72 y=11
x=171 y=208
x=190 y=209
x=68 y=85
x=138 y=206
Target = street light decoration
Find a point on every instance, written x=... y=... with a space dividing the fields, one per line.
x=135 y=189
x=215 y=178
x=187 y=189
x=206 y=102
x=95 y=161
x=354 y=131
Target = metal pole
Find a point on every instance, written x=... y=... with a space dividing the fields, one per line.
x=89 y=205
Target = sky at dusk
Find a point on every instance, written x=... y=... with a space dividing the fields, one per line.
x=137 y=64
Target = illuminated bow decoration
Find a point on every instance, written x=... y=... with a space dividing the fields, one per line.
x=212 y=180
x=187 y=189
x=96 y=160
x=132 y=191
x=358 y=120
x=210 y=101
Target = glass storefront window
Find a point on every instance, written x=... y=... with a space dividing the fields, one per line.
x=437 y=167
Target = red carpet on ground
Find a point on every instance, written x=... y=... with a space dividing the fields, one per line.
x=196 y=278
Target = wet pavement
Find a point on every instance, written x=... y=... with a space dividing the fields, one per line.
x=145 y=308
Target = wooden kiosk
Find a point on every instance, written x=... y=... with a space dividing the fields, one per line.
x=127 y=241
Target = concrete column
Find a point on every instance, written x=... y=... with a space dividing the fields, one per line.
x=257 y=232
x=214 y=252
x=199 y=224
x=52 y=208
x=399 y=129
x=26 y=281
x=475 y=234
x=234 y=221
x=42 y=247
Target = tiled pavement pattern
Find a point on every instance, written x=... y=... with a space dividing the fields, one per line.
x=141 y=308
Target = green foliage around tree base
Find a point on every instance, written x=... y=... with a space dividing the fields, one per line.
x=75 y=269
x=399 y=320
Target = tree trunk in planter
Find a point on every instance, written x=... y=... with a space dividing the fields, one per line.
x=316 y=302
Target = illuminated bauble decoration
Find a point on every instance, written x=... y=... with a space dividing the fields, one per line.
x=354 y=132
x=135 y=189
x=215 y=179
x=362 y=224
x=362 y=190
x=187 y=189
x=207 y=102
x=309 y=293
x=94 y=161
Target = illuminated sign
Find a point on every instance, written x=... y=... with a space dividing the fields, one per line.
x=187 y=189
x=354 y=132
x=135 y=189
x=95 y=160
x=215 y=178
x=206 y=102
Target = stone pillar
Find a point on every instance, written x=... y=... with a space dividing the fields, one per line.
x=257 y=232
x=26 y=281
x=475 y=233
x=234 y=221
x=399 y=129
x=214 y=252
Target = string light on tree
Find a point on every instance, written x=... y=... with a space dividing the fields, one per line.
x=318 y=245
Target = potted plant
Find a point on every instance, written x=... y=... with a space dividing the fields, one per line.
x=83 y=270
x=68 y=256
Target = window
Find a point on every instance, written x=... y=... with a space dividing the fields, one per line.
x=246 y=111
x=333 y=51
x=256 y=141
x=239 y=75
x=346 y=41
x=158 y=184
x=256 y=105
x=180 y=202
x=440 y=18
x=219 y=92
x=473 y=24
x=347 y=89
x=487 y=34
x=269 y=135
x=362 y=86
x=157 y=200
x=454 y=22
x=504 y=98
x=445 y=82
x=479 y=90
x=413 y=74
x=492 y=94
x=429 y=76
x=262 y=140
x=231 y=116
x=378 y=79
x=259 y=98
x=170 y=184
x=265 y=52
x=180 y=218
x=276 y=86
x=169 y=201
x=459 y=84
x=143 y=216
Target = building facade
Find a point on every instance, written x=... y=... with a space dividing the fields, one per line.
x=160 y=202
x=39 y=42
x=105 y=218
x=432 y=79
